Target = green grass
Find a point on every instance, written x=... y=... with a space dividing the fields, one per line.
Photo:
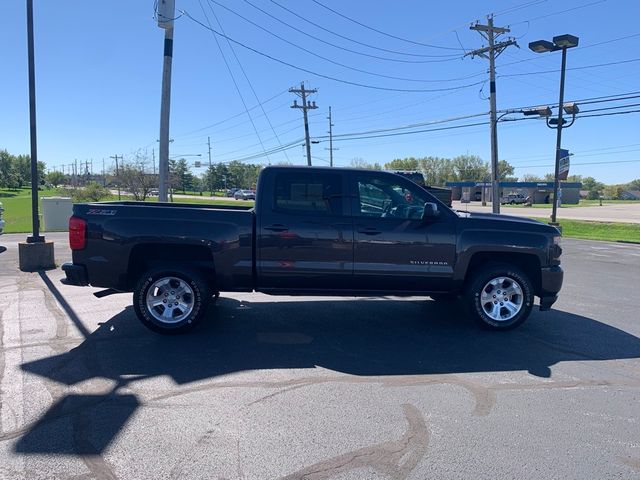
x=17 y=206
x=606 y=231
x=583 y=203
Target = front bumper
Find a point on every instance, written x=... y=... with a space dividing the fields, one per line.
x=550 y=284
x=75 y=275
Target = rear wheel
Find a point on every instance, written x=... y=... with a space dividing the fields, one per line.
x=500 y=296
x=170 y=301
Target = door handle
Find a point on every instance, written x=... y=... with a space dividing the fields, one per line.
x=277 y=227
x=369 y=231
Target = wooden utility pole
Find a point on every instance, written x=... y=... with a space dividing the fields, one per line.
x=306 y=105
x=330 y=140
x=117 y=173
x=490 y=32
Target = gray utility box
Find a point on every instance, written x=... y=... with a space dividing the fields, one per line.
x=55 y=213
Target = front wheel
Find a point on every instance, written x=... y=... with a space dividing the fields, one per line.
x=500 y=296
x=170 y=301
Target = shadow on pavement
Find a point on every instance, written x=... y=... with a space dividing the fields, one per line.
x=362 y=337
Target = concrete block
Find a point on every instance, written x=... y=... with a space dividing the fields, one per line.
x=36 y=256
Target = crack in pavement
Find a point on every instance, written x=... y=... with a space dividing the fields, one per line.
x=395 y=459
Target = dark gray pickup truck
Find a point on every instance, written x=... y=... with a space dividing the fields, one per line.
x=314 y=231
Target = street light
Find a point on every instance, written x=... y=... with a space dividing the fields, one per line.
x=560 y=42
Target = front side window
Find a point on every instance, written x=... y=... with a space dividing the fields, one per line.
x=387 y=198
x=319 y=194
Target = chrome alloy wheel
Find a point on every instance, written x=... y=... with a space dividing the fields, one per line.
x=502 y=298
x=170 y=300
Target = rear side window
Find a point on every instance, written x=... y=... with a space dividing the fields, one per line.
x=319 y=194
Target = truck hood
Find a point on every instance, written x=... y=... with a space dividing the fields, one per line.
x=499 y=221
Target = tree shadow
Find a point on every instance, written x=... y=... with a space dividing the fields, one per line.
x=361 y=337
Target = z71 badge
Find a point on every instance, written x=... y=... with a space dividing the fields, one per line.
x=100 y=211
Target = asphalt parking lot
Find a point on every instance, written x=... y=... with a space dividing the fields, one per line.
x=322 y=388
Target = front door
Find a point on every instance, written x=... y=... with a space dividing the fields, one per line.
x=395 y=249
x=305 y=233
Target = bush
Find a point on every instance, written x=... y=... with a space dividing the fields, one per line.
x=92 y=192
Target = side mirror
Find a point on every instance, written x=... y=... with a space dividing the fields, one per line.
x=430 y=211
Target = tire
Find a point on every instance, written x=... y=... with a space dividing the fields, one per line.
x=159 y=285
x=495 y=282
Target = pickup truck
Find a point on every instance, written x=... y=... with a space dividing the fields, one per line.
x=314 y=231
x=442 y=194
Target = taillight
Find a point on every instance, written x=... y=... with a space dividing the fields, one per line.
x=77 y=233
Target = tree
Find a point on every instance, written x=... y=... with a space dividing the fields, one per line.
x=505 y=171
x=593 y=187
x=437 y=170
x=470 y=168
x=634 y=184
x=403 y=164
x=183 y=175
x=56 y=178
x=531 y=177
x=133 y=176
x=359 y=162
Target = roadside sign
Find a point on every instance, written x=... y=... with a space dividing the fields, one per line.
x=563 y=171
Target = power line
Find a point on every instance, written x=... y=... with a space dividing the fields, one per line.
x=234 y=81
x=295 y=45
x=584 y=67
x=249 y=82
x=519 y=7
x=559 y=12
x=385 y=33
x=328 y=77
x=338 y=46
x=356 y=41
x=228 y=118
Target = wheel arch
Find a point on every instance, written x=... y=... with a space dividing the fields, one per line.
x=529 y=263
x=146 y=256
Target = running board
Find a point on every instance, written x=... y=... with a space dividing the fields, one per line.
x=106 y=293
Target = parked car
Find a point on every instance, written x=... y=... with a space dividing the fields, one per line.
x=244 y=195
x=230 y=191
x=513 y=199
x=1 y=220
x=314 y=231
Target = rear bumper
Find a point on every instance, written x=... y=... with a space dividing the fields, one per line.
x=75 y=275
x=550 y=284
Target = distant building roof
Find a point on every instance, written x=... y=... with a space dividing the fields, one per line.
x=515 y=184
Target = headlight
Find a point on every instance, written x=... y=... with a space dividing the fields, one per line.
x=557 y=239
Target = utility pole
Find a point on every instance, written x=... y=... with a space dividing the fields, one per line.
x=306 y=105
x=153 y=160
x=104 y=175
x=210 y=171
x=166 y=14
x=330 y=139
x=491 y=52
x=117 y=173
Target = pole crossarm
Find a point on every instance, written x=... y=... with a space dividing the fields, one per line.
x=306 y=105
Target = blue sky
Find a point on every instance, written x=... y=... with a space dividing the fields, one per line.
x=99 y=65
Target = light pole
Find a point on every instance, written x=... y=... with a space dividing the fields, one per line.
x=561 y=42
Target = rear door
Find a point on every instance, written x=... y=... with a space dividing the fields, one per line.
x=394 y=248
x=305 y=232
